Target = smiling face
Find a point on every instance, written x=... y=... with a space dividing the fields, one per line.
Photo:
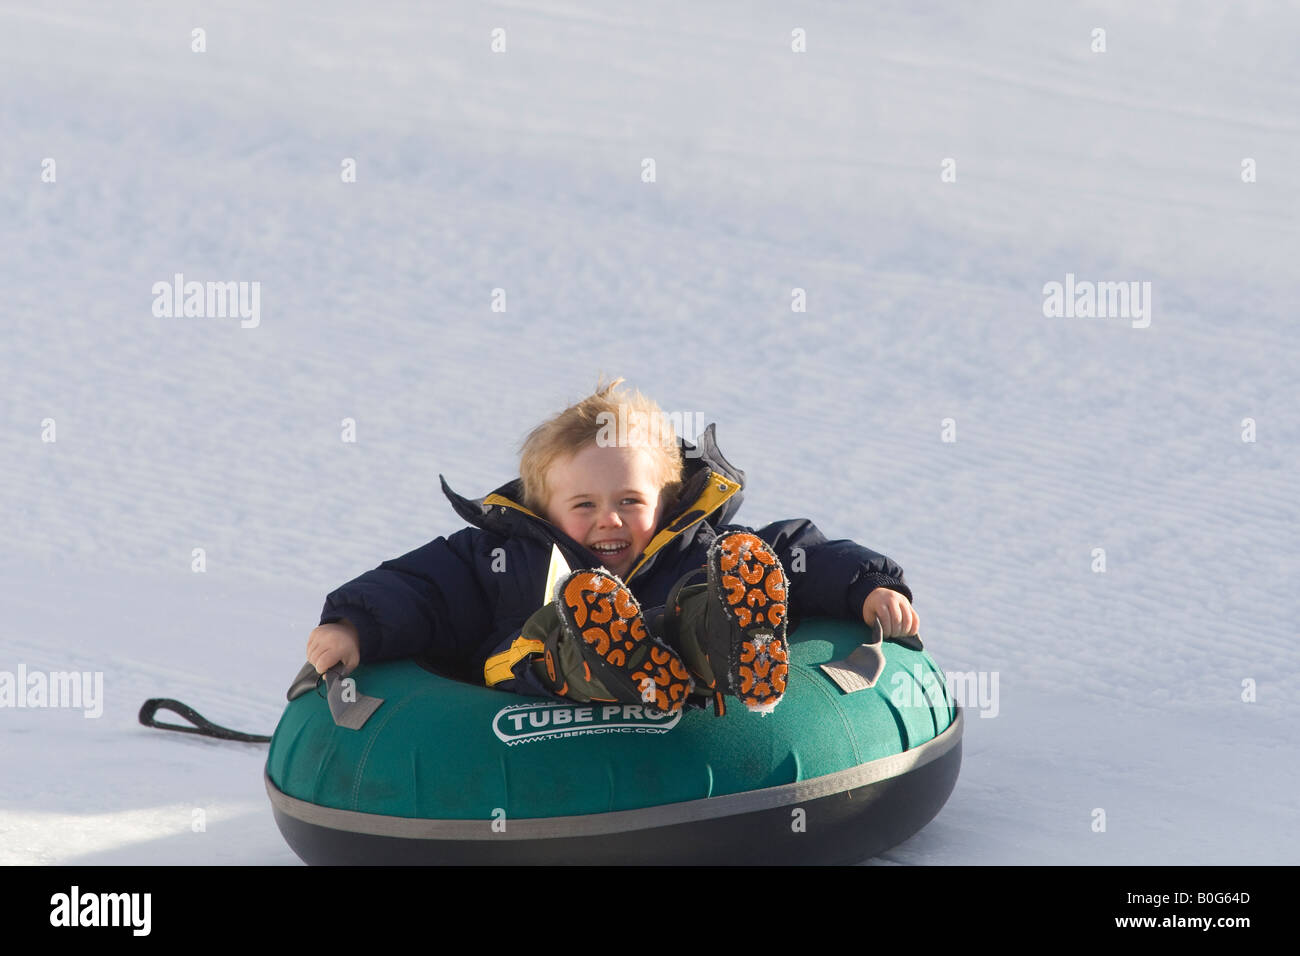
x=606 y=498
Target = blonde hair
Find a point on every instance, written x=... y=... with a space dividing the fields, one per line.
x=605 y=412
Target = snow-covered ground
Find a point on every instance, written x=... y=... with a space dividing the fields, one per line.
x=775 y=170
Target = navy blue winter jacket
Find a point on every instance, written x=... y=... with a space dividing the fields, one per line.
x=460 y=602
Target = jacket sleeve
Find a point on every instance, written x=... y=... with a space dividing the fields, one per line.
x=428 y=600
x=829 y=578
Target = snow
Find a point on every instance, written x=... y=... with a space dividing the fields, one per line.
x=522 y=171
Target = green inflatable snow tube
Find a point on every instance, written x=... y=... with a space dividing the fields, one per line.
x=449 y=772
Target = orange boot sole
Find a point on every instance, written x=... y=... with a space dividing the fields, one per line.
x=750 y=588
x=603 y=614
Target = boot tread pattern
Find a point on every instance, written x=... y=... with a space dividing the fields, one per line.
x=753 y=592
x=604 y=614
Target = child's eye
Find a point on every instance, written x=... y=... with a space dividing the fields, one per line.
x=631 y=501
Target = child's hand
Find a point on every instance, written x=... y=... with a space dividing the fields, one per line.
x=332 y=644
x=895 y=613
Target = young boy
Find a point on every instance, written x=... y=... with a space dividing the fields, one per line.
x=639 y=519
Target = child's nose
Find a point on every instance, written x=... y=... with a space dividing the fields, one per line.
x=612 y=519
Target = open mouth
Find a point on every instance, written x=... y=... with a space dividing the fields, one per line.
x=611 y=549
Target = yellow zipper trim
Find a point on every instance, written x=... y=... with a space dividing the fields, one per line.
x=495 y=499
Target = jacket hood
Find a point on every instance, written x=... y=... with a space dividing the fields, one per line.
x=712 y=489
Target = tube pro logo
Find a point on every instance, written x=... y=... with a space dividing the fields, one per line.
x=522 y=723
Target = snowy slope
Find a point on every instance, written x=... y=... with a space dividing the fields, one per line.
x=775 y=170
